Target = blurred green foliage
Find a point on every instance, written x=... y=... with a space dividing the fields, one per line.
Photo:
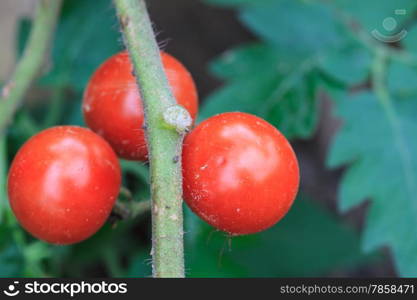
x=389 y=168
x=86 y=35
x=377 y=140
x=278 y=77
x=303 y=47
x=308 y=242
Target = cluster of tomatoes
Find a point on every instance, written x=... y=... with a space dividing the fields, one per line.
x=240 y=173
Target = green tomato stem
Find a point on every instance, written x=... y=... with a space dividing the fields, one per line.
x=164 y=142
x=31 y=62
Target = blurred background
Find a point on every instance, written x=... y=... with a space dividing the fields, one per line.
x=309 y=68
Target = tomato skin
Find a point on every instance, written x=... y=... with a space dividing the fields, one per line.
x=112 y=104
x=240 y=173
x=63 y=183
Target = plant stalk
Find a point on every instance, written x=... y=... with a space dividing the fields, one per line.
x=31 y=62
x=164 y=142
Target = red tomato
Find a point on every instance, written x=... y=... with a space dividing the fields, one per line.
x=112 y=105
x=240 y=173
x=63 y=183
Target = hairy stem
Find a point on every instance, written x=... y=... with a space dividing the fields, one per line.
x=31 y=62
x=164 y=142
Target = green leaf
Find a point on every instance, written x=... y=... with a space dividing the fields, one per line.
x=349 y=65
x=86 y=35
x=283 y=24
x=251 y=58
x=283 y=91
x=300 y=27
x=380 y=146
x=402 y=80
x=410 y=41
x=309 y=241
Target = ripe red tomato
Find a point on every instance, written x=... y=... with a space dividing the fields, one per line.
x=112 y=105
x=240 y=173
x=63 y=183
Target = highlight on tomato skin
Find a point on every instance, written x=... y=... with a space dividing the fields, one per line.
x=240 y=174
x=63 y=183
x=112 y=105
